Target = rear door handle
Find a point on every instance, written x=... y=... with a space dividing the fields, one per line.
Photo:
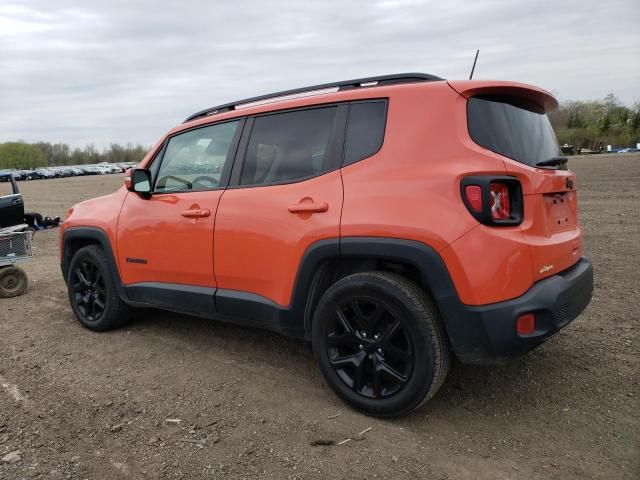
x=196 y=213
x=315 y=207
x=16 y=201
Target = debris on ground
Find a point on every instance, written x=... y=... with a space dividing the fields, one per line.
x=12 y=457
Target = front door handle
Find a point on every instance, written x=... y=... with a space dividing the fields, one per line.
x=314 y=207
x=196 y=213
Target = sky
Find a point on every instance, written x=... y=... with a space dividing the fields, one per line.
x=91 y=71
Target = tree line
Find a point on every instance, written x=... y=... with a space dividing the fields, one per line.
x=597 y=123
x=22 y=155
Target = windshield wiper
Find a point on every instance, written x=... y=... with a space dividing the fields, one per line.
x=553 y=162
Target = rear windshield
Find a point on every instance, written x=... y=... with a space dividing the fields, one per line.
x=516 y=128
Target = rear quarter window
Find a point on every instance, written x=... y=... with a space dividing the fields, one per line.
x=365 y=130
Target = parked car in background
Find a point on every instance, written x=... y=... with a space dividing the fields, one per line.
x=29 y=174
x=44 y=173
x=110 y=167
x=68 y=172
x=16 y=174
x=90 y=169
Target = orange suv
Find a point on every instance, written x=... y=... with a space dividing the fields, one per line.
x=394 y=221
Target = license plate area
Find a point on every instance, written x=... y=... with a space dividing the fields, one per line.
x=560 y=211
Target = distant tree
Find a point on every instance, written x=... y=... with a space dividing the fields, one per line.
x=635 y=117
x=91 y=154
x=79 y=157
x=21 y=155
x=611 y=101
x=593 y=123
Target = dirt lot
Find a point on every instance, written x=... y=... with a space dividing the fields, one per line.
x=171 y=396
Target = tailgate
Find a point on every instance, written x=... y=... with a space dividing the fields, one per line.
x=550 y=225
x=510 y=119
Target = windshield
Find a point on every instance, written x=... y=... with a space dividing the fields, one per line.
x=513 y=127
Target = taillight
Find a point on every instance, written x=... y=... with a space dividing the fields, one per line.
x=493 y=200
x=500 y=203
x=474 y=197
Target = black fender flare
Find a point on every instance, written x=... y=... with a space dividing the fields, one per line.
x=424 y=258
x=467 y=337
x=90 y=235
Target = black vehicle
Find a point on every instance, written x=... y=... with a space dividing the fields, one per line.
x=44 y=173
x=29 y=174
x=66 y=172
x=11 y=203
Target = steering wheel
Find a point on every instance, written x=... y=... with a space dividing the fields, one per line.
x=205 y=178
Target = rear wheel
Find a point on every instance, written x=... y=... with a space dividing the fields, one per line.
x=379 y=343
x=13 y=282
x=92 y=293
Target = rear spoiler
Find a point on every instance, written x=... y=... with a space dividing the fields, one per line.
x=470 y=88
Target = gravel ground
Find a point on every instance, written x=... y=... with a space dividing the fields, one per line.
x=171 y=396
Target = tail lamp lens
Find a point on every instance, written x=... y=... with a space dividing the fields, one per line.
x=526 y=324
x=500 y=204
x=474 y=197
x=493 y=200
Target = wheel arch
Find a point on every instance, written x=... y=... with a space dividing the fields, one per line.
x=75 y=238
x=327 y=261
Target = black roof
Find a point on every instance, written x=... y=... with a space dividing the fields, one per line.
x=343 y=85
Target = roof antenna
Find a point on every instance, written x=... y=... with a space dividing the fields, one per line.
x=474 y=64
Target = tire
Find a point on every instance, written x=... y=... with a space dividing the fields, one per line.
x=13 y=282
x=405 y=362
x=92 y=292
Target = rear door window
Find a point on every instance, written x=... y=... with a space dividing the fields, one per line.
x=365 y=130
x=288 y=147
x=516 y=128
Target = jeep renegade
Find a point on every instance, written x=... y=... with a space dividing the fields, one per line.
x=394 y=221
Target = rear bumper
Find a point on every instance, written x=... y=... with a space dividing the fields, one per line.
x=487 y=334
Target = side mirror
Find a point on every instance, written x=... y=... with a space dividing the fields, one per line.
x=140 y=180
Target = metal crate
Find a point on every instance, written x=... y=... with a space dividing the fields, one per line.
x=14 y=247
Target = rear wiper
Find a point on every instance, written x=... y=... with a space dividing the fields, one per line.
x=553 y=162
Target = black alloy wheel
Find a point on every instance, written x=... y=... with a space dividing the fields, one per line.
x=369 y=347
x=93 y=294
x=379 y=342
x=89 y=291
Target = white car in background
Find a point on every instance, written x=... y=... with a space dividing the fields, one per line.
x=96 y=170
x=110 y=167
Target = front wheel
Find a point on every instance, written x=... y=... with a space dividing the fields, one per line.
x=92 y=292
x=379 y=342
